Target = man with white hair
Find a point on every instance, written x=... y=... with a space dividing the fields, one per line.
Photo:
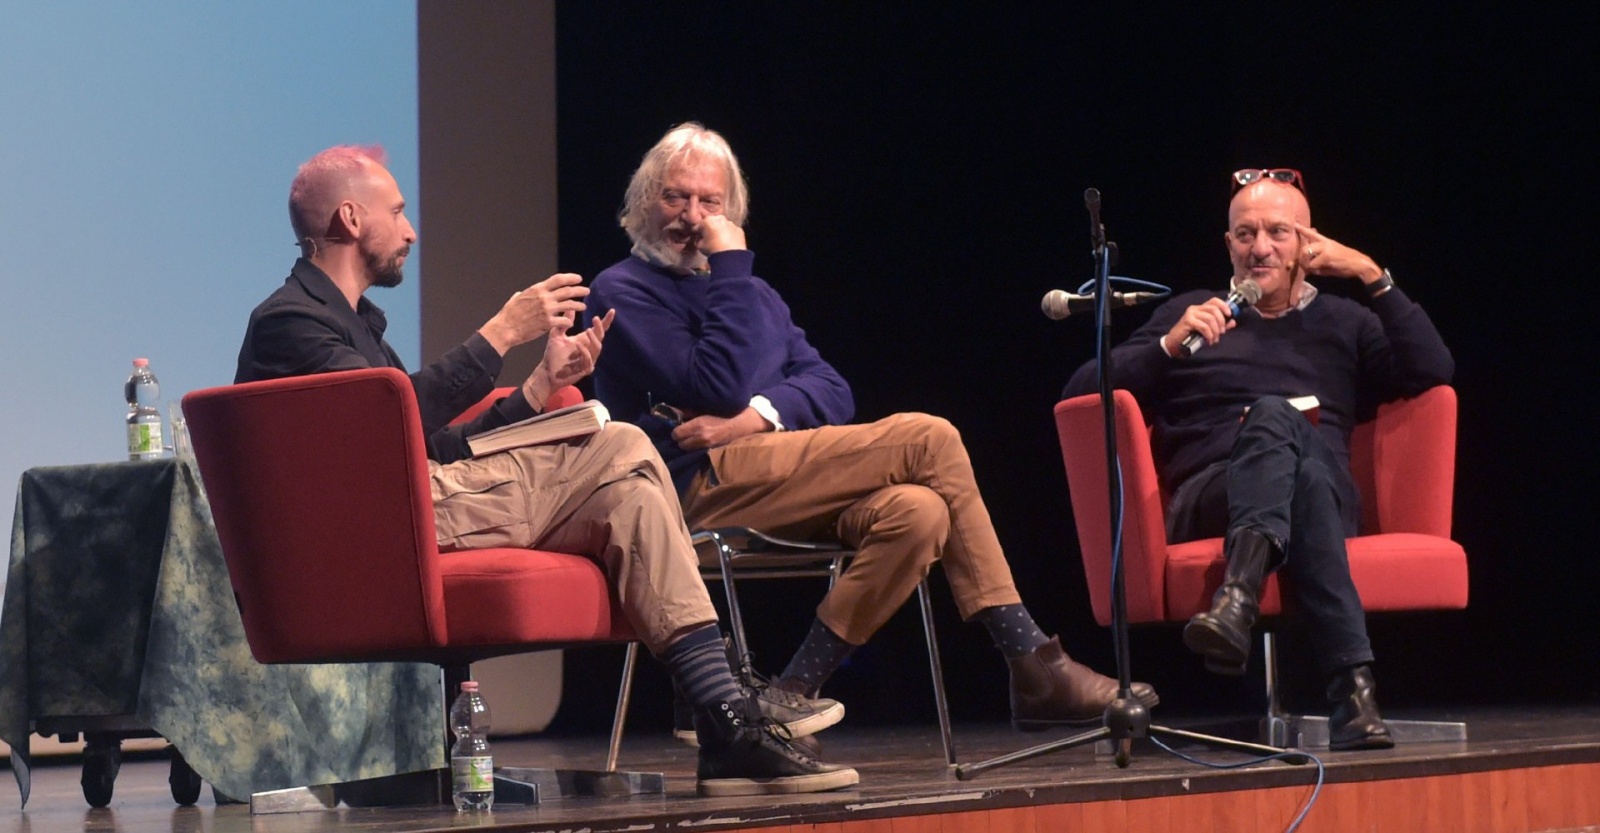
x=1241 y=462
x=752 y=423
x=606 y=496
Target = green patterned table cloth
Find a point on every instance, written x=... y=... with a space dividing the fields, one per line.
x=117 y=603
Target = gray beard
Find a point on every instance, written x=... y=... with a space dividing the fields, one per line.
x=659 y=253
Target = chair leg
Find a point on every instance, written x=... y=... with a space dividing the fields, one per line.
x=624 y=695
x=936 y=669
x=1305 y=731
x=1276 y=726
x=735 y=618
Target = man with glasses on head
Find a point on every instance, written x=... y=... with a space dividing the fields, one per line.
x=751 y=421
x=1240 y=461
x=606 y=496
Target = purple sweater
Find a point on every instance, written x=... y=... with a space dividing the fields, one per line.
x=1351 y=356
x=707 y=344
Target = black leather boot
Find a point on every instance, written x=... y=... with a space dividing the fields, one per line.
x=743 y=752
x=1355 y=722
x=1222 y=634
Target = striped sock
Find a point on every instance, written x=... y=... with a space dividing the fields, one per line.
x=819 y=656
x=1014 y=632
x=699 y=666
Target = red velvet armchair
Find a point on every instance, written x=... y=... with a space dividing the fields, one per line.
x=1404 y=464
x=319 y=489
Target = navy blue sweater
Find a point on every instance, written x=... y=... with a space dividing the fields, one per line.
x=707 y=344
x=1351 y=356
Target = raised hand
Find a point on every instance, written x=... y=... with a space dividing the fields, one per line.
x=1322 y=255
x=567 y=359
x=719 y=234
x=551 y=304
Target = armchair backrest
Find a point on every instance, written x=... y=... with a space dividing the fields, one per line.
x=1403 y=462
x=1080 y=424
x=319 y=488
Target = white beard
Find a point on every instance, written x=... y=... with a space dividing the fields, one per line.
x=660 y=253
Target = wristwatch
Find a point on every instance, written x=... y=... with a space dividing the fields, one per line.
x=1384 y=283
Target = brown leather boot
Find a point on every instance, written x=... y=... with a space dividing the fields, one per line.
x=1049 y=689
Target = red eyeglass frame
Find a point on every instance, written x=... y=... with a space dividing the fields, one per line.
x=1247 y=176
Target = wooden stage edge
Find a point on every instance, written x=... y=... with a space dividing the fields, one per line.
x=1524 y=770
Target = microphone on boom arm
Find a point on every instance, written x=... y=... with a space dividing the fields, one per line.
x=1058 y=304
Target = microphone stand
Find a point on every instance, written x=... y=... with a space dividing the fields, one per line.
x=1126 y=718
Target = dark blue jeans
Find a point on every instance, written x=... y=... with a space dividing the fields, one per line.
x=1284 y=482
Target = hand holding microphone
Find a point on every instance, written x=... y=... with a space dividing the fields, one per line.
x=1205 y=323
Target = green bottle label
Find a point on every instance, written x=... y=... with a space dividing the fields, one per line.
x=474 y=774
x=144 y=438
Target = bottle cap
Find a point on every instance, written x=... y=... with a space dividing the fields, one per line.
x=469 y=685
x=141 y=362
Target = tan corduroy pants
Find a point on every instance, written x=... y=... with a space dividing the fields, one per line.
x=899 y=490
x=607 y=496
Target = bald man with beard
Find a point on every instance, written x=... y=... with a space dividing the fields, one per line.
x=1241 y=463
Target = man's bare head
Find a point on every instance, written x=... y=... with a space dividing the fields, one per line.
x=345 y=201
x=344 y=172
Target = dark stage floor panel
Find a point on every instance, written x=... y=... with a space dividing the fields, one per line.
x=902 y=773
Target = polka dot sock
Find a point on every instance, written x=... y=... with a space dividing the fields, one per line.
x=819 y=656
x=1012 y=629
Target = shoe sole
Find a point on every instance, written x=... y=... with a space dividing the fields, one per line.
x=786 y=785
x=816 y=722
x=1045 y=725
x=1384 y=741
x=804 y=727
x=1221 y=655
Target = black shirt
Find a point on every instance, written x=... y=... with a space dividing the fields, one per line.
x=307 y=327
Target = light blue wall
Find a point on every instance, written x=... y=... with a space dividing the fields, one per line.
x=146 y=151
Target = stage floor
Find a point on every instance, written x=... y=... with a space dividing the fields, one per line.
x=904 y=783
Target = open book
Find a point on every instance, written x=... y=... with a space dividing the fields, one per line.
x=561 y=424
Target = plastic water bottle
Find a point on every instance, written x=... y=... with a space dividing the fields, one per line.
x=471 y=765
x=144 y=421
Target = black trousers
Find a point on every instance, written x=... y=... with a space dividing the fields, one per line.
x=1285 y=483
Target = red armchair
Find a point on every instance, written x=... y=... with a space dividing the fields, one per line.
x=1403 y=463
x=319 y=489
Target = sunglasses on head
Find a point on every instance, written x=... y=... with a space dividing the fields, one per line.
x=1287 y=176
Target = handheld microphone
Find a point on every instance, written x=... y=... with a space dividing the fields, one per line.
x=1243 y=296
x=1058 y=304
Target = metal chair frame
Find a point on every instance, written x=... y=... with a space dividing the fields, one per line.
x=746 y=553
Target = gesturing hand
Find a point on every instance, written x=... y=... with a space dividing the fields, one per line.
x=567 y=359
x=551 y=304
